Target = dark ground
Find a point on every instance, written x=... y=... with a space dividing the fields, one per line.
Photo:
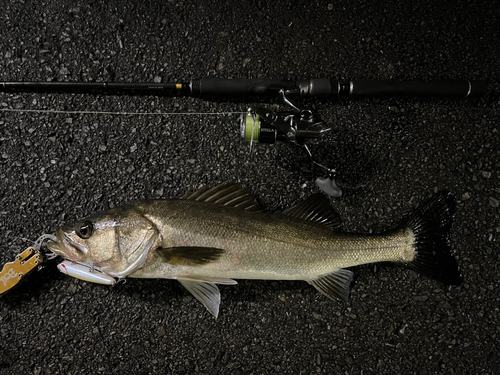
x=391 y=154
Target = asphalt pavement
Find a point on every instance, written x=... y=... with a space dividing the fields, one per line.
x=391 y=153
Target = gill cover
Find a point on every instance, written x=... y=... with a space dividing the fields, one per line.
x=135 y=236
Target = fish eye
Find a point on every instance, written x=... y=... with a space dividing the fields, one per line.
x=85 y=230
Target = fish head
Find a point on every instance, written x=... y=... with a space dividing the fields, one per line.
x=110 y=240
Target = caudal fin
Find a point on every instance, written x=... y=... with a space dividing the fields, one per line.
x=431 y=226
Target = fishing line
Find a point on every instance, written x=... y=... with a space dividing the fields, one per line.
x=55 y=111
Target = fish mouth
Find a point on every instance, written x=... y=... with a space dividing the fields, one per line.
x=65 y=247
x=54 y=245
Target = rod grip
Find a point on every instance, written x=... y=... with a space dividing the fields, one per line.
x=456 y=88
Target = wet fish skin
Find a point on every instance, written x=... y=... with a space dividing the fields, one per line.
x=214 y=236
x=262 y=246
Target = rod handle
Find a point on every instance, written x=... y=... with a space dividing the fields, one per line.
x=457 y=88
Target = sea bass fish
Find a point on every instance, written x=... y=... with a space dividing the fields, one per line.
x=216 y=235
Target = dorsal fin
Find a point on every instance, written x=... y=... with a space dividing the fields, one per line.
x=316 y=208
x=231 y=195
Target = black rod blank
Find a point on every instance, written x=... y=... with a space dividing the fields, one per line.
x=317 y=87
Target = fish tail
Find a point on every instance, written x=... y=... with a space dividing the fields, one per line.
x=431 y=226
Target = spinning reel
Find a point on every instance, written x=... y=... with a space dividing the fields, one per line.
x=296 y=125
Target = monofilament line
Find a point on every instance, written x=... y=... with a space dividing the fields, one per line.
x=55 y=111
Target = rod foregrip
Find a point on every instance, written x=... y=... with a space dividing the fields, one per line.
x=239 y=86
x=458 y=88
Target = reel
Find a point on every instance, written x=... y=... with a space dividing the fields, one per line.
x=295 y=126
x=265 y=126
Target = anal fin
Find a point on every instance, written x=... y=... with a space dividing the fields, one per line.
x=334 y=285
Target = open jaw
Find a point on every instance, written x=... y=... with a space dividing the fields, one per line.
x=66 y=248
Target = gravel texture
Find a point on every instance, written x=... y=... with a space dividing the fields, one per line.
x=390 y=154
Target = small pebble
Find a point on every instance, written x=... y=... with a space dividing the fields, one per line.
x=494 y=202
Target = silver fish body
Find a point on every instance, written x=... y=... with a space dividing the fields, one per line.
x=261 y=246
x=214 y=236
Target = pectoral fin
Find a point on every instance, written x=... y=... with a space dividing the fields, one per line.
x=206 y=293
x=334 y=284
x=190 y=255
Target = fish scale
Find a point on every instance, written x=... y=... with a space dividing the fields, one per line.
x=262 y=246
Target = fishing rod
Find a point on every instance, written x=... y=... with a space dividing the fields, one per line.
x=296 y=124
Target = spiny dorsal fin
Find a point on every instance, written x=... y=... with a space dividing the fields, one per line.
x=334 y=284
x=190 y=255
x=316 y=208
x=231 y=195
